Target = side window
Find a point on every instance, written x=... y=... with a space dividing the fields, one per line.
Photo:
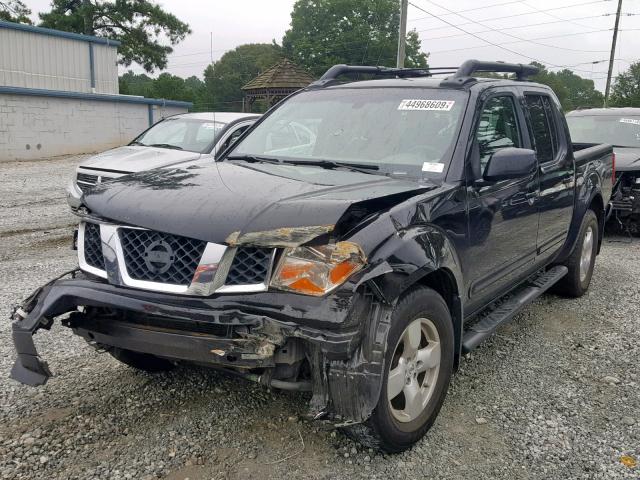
x=233 y=138
x=543 y=127
x=498 y=128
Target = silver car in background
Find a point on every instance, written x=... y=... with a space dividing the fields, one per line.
x=176 y=139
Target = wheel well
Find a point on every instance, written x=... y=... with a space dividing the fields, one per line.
x=443 y=282
x=597 y=205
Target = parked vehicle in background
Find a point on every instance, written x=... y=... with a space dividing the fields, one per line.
x=619 y=127
x=354 y=243
x=173 y=140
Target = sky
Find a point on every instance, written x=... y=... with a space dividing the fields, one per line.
x=558 y=33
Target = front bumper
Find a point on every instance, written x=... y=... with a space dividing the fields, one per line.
x=270 y=317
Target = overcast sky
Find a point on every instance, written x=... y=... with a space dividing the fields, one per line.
x=560 y=32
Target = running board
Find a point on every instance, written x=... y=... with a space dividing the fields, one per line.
x=515 y=302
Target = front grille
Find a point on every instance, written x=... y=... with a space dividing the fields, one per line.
x=250 y=266
x=160 y=257
x=86 y=181
x=93 y=246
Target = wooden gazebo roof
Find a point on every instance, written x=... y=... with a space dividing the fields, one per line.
x=278 y=81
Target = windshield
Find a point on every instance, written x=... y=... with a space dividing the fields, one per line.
x=398 y=130
x=193 y=135
x=618 y=130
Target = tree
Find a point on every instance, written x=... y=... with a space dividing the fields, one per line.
x=572 y=90
x=225 y=78
x=326 y=32
x=626 y=89
x=140 y=25
x=167 y=86
x=14 y=11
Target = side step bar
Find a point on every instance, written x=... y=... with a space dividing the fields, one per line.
x=515 y=302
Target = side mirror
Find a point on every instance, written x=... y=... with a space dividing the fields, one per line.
x=510 y=163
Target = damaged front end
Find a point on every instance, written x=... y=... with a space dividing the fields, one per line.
x=225 y=316
x=258 y=341
x=625 y=203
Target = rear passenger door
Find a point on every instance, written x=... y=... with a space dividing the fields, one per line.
x=556 y=171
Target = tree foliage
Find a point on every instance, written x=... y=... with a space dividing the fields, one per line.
x=572 y=90
x=14 y=11
x=141 y=26
x=626 y=89
x=167 y=86
x=225 y=78
x=327 y=32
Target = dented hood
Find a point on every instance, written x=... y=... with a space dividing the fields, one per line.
x=227 y=202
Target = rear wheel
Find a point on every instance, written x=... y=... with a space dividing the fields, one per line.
x=418 y=368
x=582 y=259
x=141 y=361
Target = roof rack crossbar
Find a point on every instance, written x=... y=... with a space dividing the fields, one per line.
x=334 y=72
x=468 y=68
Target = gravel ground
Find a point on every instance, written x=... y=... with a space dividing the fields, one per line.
x=555 y=394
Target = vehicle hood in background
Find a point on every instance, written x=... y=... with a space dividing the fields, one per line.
x=135 y=158
x=627 y=159
x=223 y=202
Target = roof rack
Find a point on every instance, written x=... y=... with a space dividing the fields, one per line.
x=337 y=70
x=464 y=73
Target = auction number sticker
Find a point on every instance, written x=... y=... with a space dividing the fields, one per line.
x=433 y=167
x=632 y=121
x=432 y=105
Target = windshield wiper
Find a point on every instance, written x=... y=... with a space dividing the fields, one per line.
x=138 y=143
x=255 y=159
x=331 y=164
x=165 y=145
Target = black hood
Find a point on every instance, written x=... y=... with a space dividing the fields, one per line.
x=220 y=201
x=627 y=159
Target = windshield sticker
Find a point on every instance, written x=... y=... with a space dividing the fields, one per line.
x=632 y=121
x=209 y=126
x=418 y=104
x=433 y=167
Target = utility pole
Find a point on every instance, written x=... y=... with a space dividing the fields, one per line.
x=613 y=53
x=402 y=34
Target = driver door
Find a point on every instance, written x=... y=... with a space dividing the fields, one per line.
x=503 y=215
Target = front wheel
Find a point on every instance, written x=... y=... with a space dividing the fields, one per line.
x=418 y=368
x=582 y=259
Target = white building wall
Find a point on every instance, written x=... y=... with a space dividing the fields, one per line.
x=41 y=127
x=33 y=60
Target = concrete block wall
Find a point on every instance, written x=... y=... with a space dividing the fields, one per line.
x=33 y=127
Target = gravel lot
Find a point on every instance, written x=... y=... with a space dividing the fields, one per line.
x=556 y=394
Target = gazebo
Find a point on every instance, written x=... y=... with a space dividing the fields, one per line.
x=275 y=83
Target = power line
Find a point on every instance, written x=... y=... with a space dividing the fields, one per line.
x=528 y=25
x=538 y=38
x=474 y=9
x=507 y=34
x=524 y=14
x=483 y=39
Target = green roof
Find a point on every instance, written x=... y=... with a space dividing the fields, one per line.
x=284 y=74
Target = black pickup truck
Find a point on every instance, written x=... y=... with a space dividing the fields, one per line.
x=354 y=243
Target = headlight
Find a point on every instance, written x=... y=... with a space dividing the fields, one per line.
x=317 y=270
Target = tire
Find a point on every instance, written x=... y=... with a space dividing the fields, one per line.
x=141 y=361
x=576 y=282
x=394 y=427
